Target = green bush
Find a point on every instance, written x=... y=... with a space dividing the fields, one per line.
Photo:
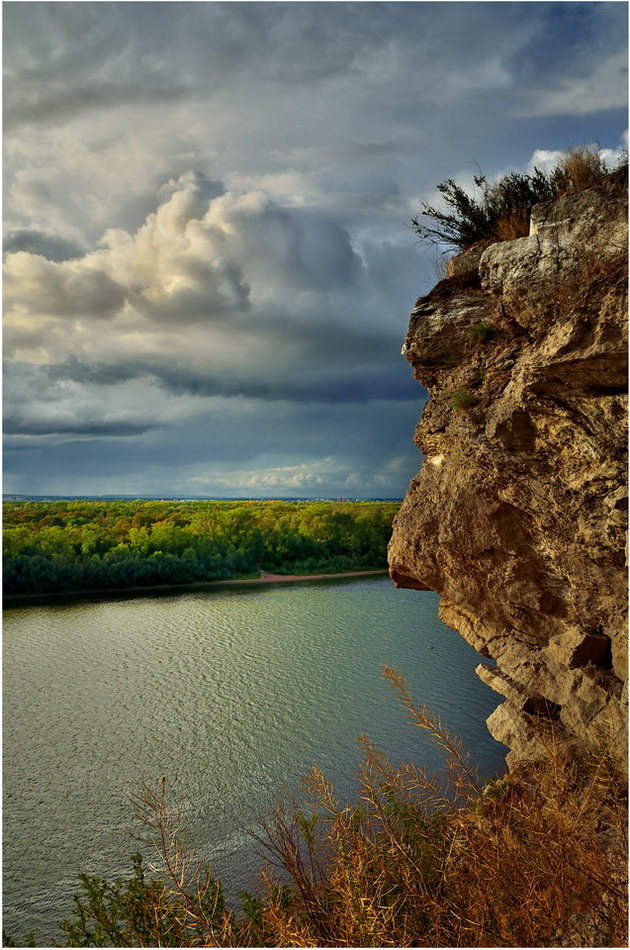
x=461 y=399
x=480 y=332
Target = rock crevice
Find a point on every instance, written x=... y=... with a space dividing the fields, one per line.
x=518 y=517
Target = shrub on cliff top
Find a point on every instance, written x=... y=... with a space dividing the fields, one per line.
x=500 y=211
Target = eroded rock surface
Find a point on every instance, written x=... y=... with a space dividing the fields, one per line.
x=518 y=518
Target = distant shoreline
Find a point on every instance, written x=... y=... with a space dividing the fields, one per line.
x=266 y=578
x=25 y=600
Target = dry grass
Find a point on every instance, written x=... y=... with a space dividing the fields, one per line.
x=535 y=859
x=580 y=169
x=512 y=226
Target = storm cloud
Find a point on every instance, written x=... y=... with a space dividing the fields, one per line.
x=208 y=260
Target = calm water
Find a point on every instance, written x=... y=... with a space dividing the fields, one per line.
x=228 y=693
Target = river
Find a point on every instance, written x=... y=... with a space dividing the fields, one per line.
x=229 y=693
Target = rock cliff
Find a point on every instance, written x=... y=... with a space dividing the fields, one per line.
x=518 y=517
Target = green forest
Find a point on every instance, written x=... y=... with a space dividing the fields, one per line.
x=63 y=546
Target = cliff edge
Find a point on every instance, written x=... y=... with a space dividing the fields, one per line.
x=518 y=517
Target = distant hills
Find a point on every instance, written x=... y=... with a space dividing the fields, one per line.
x=121 y=497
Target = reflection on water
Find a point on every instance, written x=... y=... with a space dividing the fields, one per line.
x=229 y=694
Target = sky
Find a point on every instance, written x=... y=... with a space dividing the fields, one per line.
x=209 y=262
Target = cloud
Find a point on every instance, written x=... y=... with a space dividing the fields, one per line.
x=202 y=255
x=304 y=479
x=217 y=293
x=39 y=401
x=52 y=107
x=142 y=52
x=603 y=89
x=50 y=246
x=306 y=476
x=36 y=286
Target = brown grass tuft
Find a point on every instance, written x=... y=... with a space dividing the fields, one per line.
x=581 y=168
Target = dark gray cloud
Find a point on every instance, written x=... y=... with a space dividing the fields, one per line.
x=15 y=425
x=50 y=246
x=92 y=373
x=590 y=32
x=359 y=383
x=53 y=106
x=64 y=58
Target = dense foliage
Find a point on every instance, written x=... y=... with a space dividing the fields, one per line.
x=51 y=547
x=500 y=210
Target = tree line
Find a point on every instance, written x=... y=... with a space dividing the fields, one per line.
x=52 y=547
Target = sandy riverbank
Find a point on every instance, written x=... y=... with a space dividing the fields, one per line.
x=14 y=600
x=266 y=578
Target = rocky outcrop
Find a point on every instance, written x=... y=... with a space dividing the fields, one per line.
x=518 y=517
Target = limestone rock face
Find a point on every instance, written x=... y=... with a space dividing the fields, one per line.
x=518 y=517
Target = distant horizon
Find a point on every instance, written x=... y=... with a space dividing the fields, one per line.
x=14 y=496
